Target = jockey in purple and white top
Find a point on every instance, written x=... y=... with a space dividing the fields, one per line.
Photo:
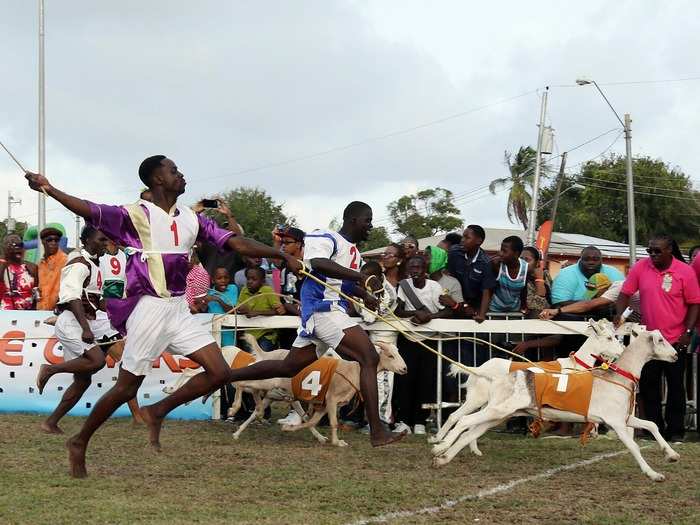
x=172 y=237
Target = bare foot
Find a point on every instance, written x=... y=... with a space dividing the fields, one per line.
x=387 y=438
x=50 y=428
x=154 y=424
x=42 y=377
x=76 y=458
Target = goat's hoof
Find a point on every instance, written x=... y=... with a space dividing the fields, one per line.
x=672 y=456
x=236 y=436
x=439 y=450
x=440 y=461
x=341 y=443
x=655 y=476
x=288 y=428
x=322 y=439
x=477 y=452
x=433 y=439
x=168 y=390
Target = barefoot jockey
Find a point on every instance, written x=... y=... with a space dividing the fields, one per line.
x=158 y=235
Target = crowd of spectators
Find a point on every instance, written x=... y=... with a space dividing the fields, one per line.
x=454 y=279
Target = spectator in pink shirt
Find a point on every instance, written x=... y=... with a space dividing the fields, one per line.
x=669 y=296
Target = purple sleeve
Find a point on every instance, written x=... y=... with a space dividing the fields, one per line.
x=113 y=221
x=211 y=233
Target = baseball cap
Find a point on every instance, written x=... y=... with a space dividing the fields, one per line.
x=597 y=284
x=293 y=233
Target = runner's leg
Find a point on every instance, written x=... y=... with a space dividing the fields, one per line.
x=81 y=382
x=125 y=388
x=216 y=373
x=88 y=363
x=357 y=346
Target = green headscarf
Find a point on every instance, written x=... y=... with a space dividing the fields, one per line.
x=438 y=259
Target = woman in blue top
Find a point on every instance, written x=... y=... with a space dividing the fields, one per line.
x=512 y=276
x=221 y=298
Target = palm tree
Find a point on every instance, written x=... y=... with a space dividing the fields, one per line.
x=522 y=170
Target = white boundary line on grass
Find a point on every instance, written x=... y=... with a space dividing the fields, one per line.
x=484 y=493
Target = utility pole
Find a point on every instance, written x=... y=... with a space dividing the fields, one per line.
x=77 y=231
x=532 y=226
x=41 y=222
x=631 y=220
x=557 y=192
x=10 y=222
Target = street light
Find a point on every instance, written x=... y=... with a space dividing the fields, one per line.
x=626 y=125
x=575 y=186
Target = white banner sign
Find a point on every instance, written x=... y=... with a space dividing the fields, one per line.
x=26 y=343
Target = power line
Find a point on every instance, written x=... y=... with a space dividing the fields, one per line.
x=640 y=192
x=369 y=140
x=632 y=82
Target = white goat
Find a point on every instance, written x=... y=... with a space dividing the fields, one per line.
x=601 y=341
x=343 y=387
x=609 y=403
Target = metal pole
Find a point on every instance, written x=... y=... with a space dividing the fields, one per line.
x=41 y=222
x=631 y=221
x=557 y=192
x=532 y=226
x=439 y=385
x=77 y=231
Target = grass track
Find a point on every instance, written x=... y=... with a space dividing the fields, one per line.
x=268 y=477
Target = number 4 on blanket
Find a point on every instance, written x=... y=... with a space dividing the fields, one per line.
x=311 y=384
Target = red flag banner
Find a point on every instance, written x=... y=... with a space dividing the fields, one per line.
x=544 y=236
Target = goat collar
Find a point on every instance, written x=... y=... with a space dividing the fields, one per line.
x=581 y=362
x=617 y=370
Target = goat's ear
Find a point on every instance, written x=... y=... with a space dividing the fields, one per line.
x=380 y=346
x=594 y=325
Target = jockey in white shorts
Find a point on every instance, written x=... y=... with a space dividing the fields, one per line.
x=334 y=259
x=158 y=235
x=80 y=324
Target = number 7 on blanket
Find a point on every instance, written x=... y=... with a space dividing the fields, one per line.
x=562 y=383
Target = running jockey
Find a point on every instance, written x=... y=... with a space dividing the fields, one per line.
x=80 y=324
x=333 y=258
x=159 y=236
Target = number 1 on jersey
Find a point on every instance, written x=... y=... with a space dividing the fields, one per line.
x=173 y=228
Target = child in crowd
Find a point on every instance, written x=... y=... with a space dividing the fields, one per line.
x=221 y=298
x=257 y=299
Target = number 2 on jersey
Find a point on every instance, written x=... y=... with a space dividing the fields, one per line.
x=312 y=383
x=353 y=263
x=173 y=228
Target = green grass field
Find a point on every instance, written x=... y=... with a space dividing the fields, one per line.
x=204 y=476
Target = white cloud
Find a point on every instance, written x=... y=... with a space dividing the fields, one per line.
x=225 y=87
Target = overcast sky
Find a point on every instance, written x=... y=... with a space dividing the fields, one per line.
x=227 y=87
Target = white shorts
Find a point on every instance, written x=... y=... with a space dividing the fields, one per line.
x=326 y=328
x=69 y=333
x=159 y=324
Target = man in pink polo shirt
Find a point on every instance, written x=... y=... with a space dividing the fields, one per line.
x=669 y=296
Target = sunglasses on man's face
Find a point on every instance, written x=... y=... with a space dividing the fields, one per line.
x=16 y=245
x=289 y=241
x=654 y=251
x=52 y=239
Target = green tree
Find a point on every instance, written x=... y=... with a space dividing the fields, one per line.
x=256 y=211
x=522 y=170
x=20 y=228
x=378 y=238
x=425 y=214
x=664 y=201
